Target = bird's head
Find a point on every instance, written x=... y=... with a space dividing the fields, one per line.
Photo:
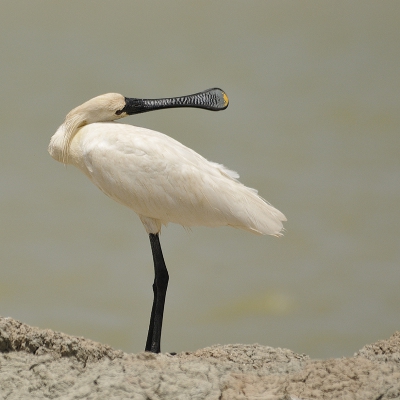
x=111 y=106
x=103 y=108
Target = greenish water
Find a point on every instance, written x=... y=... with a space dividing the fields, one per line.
x=313 y=124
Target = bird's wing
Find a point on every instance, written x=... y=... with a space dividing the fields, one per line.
x=160 y=178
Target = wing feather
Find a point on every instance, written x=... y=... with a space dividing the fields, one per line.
x=161 y=179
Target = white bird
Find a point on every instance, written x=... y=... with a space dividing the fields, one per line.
x=157 y=177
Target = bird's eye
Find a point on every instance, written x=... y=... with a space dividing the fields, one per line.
x=119 y=112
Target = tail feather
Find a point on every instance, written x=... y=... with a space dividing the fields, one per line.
x=254 y=214
x=249 y=211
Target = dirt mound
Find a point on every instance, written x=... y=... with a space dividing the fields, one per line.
x=36 y=364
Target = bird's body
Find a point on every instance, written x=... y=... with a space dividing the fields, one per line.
x=164 y=181
x=157 y=177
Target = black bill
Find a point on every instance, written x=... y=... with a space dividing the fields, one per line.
x=212 y=99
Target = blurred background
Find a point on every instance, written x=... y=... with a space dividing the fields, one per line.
x=313 y=124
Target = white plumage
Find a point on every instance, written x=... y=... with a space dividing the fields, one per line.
x=162 y=180
x=157 y=177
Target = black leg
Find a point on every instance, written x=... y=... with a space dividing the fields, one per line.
x=160 y=290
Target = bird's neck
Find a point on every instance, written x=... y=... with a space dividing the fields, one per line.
x=59 y=147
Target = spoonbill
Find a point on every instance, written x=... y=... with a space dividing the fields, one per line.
x=158 y=177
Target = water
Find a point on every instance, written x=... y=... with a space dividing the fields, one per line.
x=313 y=124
